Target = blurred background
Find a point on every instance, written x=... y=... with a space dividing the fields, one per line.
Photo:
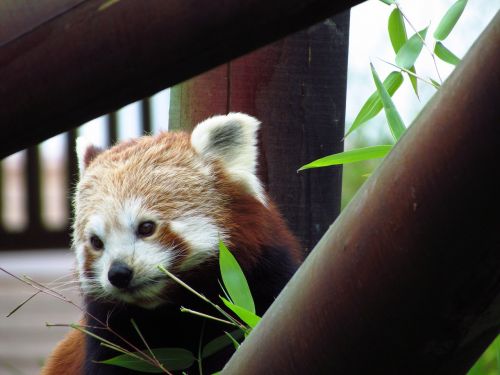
x=24 y=339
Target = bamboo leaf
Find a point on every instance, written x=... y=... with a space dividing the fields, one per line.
x=247 y=316
x=394 y=120
x=234 y=279
x=449 y=20
x=413 y=80
x=397 y=30
x=351 y=156
x=388 y=2
x=445 y=54
x=171 y=358
x=398 y=36
x=409 y=52
x=220 y=343
x=374 y=104
x=435 y=83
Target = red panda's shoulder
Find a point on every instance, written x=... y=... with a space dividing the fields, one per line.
x=68 y=356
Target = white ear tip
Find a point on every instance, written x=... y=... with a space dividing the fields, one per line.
x=232 y=139
x=201 y=135
x=243 y=118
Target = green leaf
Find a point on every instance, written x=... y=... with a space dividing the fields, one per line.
x=247 y=316
x=398 y=36
x=449 y=20
x=351 y=156
x=394 y=120
x=388 y=2
x=445 y=54
x=435 y=83
x=413 y=80
x=171 y=358
x=408 y=53
x=397 y=30
x=374 y=104
x=220 y=343
x=234 y=279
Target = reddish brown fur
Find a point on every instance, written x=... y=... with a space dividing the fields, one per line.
x=68 y=356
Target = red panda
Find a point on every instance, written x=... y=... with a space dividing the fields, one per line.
x=168 y=199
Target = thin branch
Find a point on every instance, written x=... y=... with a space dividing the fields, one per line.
x=158 y=363
x=200 y=343
x=409 y=72
x=44 y=289
x=423 y=41
x=183 y=309
x=23 y=303
x=217 y=307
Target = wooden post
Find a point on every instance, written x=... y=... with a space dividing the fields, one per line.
x=297 y=88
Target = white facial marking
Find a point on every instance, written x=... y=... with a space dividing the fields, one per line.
x=116 y=227
x=201 y=234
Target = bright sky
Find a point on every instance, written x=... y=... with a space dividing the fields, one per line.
x=369 y=41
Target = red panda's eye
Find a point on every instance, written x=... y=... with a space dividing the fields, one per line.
x=96 y=243
x=146 y=229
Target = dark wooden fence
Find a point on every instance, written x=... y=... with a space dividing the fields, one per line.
x=35 y=233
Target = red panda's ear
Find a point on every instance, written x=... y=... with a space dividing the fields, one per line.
x=232 y=139
x=85 y=152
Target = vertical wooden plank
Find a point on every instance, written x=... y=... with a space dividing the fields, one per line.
x=34 y=190
x=297 y=88
x=201 y=97
x=146 y=115
x=112 y=128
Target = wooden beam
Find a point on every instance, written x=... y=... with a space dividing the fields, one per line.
x=99 y=55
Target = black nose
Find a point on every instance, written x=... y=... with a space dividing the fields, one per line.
x=119 y=275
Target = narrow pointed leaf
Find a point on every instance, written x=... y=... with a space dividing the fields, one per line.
x=394 y=120
x=397 y=30
x=409 y=52
x=234 y=280
x=247 y=316
x=220 y=343
x=388 y=2
x=435 y=83
x=351 y=156
x=374 y=104
x=171 y=358
x=413 y=80
x=445 y=54
x=449 y=20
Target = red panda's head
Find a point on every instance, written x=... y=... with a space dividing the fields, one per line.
x=165 y=199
